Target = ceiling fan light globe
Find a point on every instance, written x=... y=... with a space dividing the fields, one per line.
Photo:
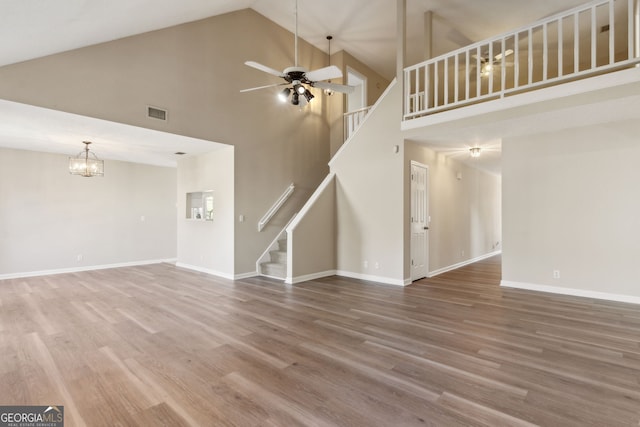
x=295 y=99
x=284 y=95
x=308 y=95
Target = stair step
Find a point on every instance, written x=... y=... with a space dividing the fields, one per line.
x=278 y=256
x=274 y=269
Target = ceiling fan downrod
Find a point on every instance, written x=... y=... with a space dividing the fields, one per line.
x=295 y=43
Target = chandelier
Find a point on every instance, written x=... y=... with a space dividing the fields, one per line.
x=86 y=163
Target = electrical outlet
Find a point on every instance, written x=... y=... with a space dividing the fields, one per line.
x=556 y=274
x=79 y=257
x=377 y=265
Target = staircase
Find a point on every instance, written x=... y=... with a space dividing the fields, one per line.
x=276 y=267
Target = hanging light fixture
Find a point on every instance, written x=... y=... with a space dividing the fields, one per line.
x=475 y=151
x=86 y=163
x=328 y=91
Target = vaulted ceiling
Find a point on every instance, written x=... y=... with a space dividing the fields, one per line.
x=365 y=28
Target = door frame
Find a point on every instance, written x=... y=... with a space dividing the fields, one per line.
x=362 y=78
x=428 y=221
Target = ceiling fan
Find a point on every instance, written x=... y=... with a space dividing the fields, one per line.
x=298 y=77
x=487 y=64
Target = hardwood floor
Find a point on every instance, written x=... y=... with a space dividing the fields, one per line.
x=157 y=345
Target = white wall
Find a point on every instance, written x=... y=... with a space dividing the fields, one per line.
x=369 y=196
x=337 y=103
x=571 y=204
x=208 y=245
x=465 y=213
x=49 y=217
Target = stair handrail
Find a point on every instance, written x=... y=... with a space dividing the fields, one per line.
x=276 y=207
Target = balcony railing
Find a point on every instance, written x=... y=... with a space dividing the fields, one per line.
x=596 y=38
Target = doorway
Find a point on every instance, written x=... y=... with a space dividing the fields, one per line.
x=358 y=98
x=419 y=221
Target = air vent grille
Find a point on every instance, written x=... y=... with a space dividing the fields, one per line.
x=157 y=113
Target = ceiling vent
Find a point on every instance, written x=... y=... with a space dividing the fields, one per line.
x=156 y=113
x=605 y=28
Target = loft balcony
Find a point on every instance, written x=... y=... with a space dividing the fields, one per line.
x=597 y=38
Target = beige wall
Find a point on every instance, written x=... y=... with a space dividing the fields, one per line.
x=465 y=213
x=312 y=236
x=207 y=245
x=373 y=201
x=196 y=71
x=49 y=217
x=571 y=204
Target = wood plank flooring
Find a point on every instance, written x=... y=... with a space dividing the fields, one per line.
x=157 y=345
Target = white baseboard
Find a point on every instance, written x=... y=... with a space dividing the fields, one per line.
x=571 y=291
x=371 y=278
x=245 y=275
x=205 y=270
x=84 y=268
x=307 y=277
x=462 y=264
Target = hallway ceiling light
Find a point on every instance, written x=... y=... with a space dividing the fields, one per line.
x=86 y=163
x=475 y=151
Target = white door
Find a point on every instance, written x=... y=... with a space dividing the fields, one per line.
x=419 y=221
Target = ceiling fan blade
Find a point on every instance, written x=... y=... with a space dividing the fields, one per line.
x=334 y=86
x=326 y=73
x=263 y=87
x=507 y=52
x=264 y=68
